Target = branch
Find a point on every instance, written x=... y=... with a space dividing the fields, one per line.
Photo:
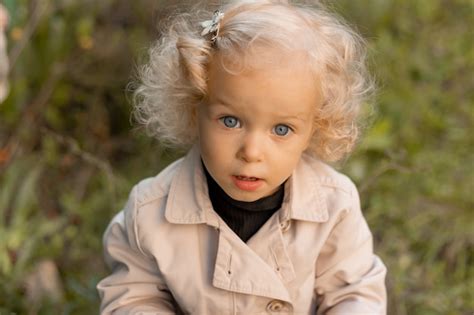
x=40 y=8
x=88 y=157
x=380 y=171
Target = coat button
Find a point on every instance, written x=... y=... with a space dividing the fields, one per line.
x=275 y=306
x=285 y=225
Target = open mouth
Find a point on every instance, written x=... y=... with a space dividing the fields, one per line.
x=239 y=177
x=247 y=183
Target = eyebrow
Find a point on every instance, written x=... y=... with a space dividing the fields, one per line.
x=295 y=117
x=221 y=102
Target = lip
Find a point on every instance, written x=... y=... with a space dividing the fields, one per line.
x=245 y=183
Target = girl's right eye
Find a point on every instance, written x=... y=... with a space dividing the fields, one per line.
x=230 y=122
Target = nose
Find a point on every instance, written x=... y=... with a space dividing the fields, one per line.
x=251 y=148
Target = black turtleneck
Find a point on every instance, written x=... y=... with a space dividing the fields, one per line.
x=244 y=218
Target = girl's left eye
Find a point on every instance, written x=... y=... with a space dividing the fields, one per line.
x=281 y=130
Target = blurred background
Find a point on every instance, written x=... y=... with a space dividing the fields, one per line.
x=69 y=154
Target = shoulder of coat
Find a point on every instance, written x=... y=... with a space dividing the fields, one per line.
x=328 y=177
x=156 y=187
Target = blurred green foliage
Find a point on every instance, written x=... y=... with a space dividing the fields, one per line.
x=69 y=156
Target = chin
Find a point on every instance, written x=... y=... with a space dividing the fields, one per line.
x=246 y=197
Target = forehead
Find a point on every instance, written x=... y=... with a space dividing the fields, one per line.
x=275 y=82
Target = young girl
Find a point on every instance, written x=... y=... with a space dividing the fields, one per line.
x=251 y=220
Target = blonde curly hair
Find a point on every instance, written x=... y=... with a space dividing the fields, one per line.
x=174 y=81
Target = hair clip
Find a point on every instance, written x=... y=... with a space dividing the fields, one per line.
x=212 y=26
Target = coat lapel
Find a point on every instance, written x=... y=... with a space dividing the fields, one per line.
x=240 y=269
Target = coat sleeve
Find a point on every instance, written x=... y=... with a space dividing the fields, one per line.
x=135 y=285
x=350 y=279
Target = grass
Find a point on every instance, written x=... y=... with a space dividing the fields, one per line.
x=68 y=155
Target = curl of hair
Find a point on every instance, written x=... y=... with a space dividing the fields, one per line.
x=174 y=81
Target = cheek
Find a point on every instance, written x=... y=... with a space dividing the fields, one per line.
x=296 y=149
x=307 y=143
x=208 y=142
x=287 y=162
x=203 y=126
x=205 y=145
x=203 y=139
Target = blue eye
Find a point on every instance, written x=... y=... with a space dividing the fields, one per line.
x=281 y=130
x=230 y=122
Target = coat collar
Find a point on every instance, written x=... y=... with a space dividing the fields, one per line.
x=188 y=201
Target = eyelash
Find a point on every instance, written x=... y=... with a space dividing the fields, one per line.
x=237 y=125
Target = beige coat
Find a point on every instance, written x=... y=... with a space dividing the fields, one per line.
x=170 y=253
